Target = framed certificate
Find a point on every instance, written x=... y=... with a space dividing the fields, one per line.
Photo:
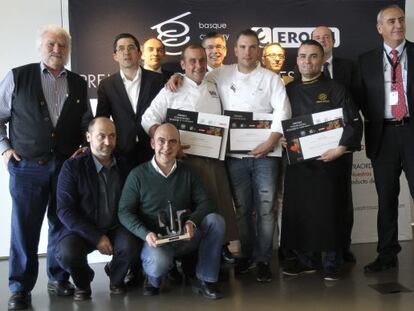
x=248 y=130
x=309 y=136
x=205 y=133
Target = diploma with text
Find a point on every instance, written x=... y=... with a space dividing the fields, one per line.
x=309 y=136
x=205 y=133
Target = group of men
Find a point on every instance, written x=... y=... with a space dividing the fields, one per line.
x=105 y=190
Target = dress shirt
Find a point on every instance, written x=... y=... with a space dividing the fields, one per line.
x=190 y=97
x=387 y=77
x=330 y=67
x=132 y=88
x=109 y=183
x=55 y=90
x=159 y=170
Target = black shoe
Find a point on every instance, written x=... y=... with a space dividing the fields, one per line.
x=243 y=265
x=227 y=256
x=331 y=274
x=60 y=288
x=174 y=275
x=117 y=289
x=264 y=274
x=150 y=290
x=19 y=301
x=296 y=268
x=82 y=294
x=380 y=264
x=348 y=256
x=133 y=278
x=207 y=290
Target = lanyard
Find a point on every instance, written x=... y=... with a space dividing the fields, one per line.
x=394 y=65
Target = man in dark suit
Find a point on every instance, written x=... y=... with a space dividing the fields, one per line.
x=386 y=97
x=88 y=191
x=343 y=71
x=125 y=96
x=153 y=54
x=47 y=111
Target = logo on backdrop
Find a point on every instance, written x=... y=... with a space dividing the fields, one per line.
x=290 y=37
x=173 y=33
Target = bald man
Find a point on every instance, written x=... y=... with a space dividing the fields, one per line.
x=148 y=190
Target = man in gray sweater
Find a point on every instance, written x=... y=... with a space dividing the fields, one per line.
x=148 y=190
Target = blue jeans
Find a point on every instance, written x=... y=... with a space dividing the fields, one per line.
x=33 y=190
x=208 y=238
x=254 y=183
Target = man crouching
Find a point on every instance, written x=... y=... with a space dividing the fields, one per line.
x=149 y=189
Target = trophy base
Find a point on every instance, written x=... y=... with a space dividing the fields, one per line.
x=172 y=238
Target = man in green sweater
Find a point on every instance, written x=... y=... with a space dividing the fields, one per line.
x=148 y=190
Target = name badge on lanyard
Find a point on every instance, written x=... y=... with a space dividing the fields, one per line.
x=394 y=98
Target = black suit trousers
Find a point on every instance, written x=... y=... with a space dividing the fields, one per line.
x=395 y=154
x=72 y=253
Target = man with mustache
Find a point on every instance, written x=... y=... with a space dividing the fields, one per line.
x=46 y=108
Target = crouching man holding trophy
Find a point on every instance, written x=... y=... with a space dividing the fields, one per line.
x=166 y=205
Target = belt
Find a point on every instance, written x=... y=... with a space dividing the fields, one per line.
x=395 y=122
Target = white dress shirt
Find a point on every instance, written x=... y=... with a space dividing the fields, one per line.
x=132 y=88
x=387 y=77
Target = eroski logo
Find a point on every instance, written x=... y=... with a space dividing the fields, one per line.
x=290 y=37
x=173 y=33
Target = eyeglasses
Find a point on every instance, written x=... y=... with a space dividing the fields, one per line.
x=212 y=47
x=280 y=56
x=128 y=48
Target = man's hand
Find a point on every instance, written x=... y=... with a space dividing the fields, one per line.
x=104 y=246
x=79 y=151
x=8 y=154
x=174 y=83
x=283 y=141
x=332 y=154
x=189 y=228
x=264 y=148
x=151 y=239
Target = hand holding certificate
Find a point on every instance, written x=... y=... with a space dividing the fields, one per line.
x=310 y=136
x=205 y=133
x=249 y=131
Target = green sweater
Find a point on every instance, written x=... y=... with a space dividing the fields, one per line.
x=146 y=192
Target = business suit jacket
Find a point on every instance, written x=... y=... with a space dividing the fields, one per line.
x=371 y=94
x=77 y=197
x=113 y=101
x=344 y=72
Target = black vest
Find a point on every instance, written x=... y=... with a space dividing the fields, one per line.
x=32 y=134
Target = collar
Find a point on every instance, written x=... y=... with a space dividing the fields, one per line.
x=193 y=83
x=44 y=69
x=329 y=60
x=99 y=166
x=399 y=48
x=136 y=78
x=159 y=171
x=159 y=70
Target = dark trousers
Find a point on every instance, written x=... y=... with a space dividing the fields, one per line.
x=395 y=154
x=349 y=216
x=33 y=191
x=72 y=252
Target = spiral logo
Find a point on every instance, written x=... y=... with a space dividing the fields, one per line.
x=173 y=33
x=264 y=34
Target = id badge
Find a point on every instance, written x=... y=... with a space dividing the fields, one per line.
x=394 y=98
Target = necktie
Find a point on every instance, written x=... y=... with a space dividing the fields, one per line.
x=400 y=109
x=325 y=71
